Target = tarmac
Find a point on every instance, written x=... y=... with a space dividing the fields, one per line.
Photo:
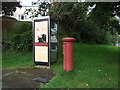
x=25 y=77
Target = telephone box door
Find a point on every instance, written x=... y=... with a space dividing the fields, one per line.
x=41 y=40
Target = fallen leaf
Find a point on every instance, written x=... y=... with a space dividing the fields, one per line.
x=19 y=77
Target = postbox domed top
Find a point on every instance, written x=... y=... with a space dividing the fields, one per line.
x=68 y=39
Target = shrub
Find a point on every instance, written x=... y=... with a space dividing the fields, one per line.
x=92 y=34
x=18 y=37
x=75 y=35
x=22 y=41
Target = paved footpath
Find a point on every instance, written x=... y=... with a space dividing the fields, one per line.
x=24 y=77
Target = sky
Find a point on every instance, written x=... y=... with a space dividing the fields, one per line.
x=27 y=2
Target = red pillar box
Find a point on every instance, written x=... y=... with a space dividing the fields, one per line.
x=68 y=52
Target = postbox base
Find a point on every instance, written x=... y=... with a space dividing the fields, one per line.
x=68 y=70
x=68 y=66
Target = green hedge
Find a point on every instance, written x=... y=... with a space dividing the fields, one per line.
x=86 y=32
x=18 y=37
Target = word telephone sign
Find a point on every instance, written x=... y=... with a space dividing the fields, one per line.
x=41 y=40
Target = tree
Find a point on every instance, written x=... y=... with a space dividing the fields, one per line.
x=31 y=12
x=9 y=8
x=43 y=8
x=102 y=25
x=103 y=15
x=69 y=14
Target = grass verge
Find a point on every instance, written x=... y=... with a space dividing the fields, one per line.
x=95 y=66
x=13 y=59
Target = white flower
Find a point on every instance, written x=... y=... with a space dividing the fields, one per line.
x=86 y=84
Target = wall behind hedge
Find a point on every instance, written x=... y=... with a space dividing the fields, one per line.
x=7 y=22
